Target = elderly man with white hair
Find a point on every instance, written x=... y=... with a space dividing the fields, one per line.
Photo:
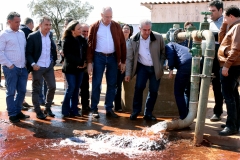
x=106 y=50
x=145 y=58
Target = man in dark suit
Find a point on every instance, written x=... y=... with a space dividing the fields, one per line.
x=27 y=29
x=41 y=56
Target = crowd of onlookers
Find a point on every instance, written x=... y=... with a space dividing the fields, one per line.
x=106 y=47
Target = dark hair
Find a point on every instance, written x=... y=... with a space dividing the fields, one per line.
x=68 y=19
x=233 y=10
x=131 y=29
x=187 y=23
x=217 y=3
x=11 y=15
x=28 y=20
x=70 y=27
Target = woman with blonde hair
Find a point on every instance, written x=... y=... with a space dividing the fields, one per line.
x=74 y=49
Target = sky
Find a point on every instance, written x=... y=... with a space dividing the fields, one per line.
x=126 y=11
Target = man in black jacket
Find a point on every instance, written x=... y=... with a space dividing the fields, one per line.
x=27 y=26
x=41 y=56
x=27 y=29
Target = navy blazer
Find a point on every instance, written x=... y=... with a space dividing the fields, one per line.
x=178 y=56
x=34 y=49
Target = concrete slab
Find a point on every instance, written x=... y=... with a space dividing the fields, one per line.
x=121 y=125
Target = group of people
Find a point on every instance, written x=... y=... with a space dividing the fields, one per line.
x=110 y=48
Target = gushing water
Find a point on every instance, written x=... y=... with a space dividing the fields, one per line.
x=158 y=127
x=130 y=145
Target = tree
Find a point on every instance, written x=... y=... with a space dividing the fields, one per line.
x=57 y=10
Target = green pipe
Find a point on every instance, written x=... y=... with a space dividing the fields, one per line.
x=205 y=83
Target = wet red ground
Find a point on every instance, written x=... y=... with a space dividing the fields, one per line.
x=40 y=139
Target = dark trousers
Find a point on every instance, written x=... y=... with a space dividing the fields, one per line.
x=231 y=96
x=48 y=75
x=84 y=93
x=182 y=91
x=145 y=73
x=118 y=97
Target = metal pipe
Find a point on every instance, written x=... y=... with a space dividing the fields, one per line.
x=197 y=37
x=195 y=79
x=205 y=83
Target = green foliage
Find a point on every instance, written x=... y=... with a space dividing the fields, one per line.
x=57 y=10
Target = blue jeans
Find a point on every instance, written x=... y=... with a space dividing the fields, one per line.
x=145 y=73
x=231 y=96
x=16 y=81
x=182 y=91
x=42 y=94
x=99 y=64
x=70 y=100
x=118 y=97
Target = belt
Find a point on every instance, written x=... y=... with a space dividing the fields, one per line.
x=106 y=54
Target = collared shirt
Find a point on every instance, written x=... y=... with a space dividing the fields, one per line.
x=215 y=26
x=12 y=48
x=45 y=60
x=105 y=42
x=144 y=52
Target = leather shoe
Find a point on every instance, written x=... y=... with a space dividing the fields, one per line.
x=95 y=114
x=14 y=119
x=133 y=116
x=86 y=108
x=111 y=114
x=40 y=115
x=48 y=112
x=223 y=125
x=24 y=108
x=227 y=131
x=150 y=118
x=215 y=118
x=22 y=116
x=25 y=104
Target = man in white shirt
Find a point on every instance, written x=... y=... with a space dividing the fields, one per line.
x=145 y=58
x=12 y=58
x=41 y=56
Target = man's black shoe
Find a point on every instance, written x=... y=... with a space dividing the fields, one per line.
x=150 y=118
x=40 y=115
x=111 y=114
x=227 y=131
x=24 y=108
x=133 y=116
x=49 y=113
x=86 y=108
x=22 y=116
x=14 y=119
x=223 y=125
x=95 y=114
x=215 y=118
x=25 y=104
x=42 y=104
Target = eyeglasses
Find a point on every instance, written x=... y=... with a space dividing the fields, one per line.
x=85 y=31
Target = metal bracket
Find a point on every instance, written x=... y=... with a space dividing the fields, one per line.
x=204 y=76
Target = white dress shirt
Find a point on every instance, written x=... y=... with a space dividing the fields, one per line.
x=12 y=48
x=144 y=52
x=45 y=60
x=105 y=42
